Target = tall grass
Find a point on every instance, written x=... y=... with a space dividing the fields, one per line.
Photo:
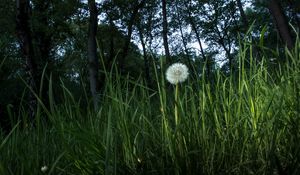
x=245 y=123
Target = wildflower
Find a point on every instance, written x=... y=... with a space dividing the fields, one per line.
x=177 y=73
x=44 y=169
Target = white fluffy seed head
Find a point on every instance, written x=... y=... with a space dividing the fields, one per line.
x=177 y=73
x=44 y=168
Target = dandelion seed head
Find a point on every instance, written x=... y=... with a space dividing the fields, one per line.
x=44 y=168
x=177 y=73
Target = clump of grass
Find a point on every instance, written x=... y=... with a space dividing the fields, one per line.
x=245 y=123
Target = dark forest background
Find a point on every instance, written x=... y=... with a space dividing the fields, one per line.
x=83 y=89
x=76 y=41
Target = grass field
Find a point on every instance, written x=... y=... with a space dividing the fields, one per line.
x=244 y=123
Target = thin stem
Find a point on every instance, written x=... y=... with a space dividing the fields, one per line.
x=176 y=103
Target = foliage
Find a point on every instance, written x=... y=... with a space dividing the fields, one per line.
x=238 y=113
x=243 y=124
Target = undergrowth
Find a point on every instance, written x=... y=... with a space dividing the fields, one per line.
x=244 y=123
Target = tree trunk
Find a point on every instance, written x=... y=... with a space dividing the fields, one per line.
x=165 y=31
x=42 y=36
x=193 y=25
x=146 y=60
x=184 y=42
x=42 y=43
x=185 y=47
x=149 y=29
x=243 y=15
x=201 y=49
x=129 y=33
x=281 y=23
x=221 y=41
x=92 y=52
x=25 y=40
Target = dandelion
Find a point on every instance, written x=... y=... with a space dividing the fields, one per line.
x=44 y=168
x=177 y=73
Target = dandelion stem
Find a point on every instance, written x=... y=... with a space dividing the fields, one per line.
x=176 y=103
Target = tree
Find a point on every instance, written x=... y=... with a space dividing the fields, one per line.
x=218 y=23
x=242 y=12
x=145 y=55
x=41 y=28
x=281 y=22
x=131 y=22
x=26 y=46
x=92 y=52
x=165 y=30
x=124 y=13
x=197 y=34
x=180 y=23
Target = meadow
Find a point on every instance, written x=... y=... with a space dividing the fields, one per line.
x=246 y=122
